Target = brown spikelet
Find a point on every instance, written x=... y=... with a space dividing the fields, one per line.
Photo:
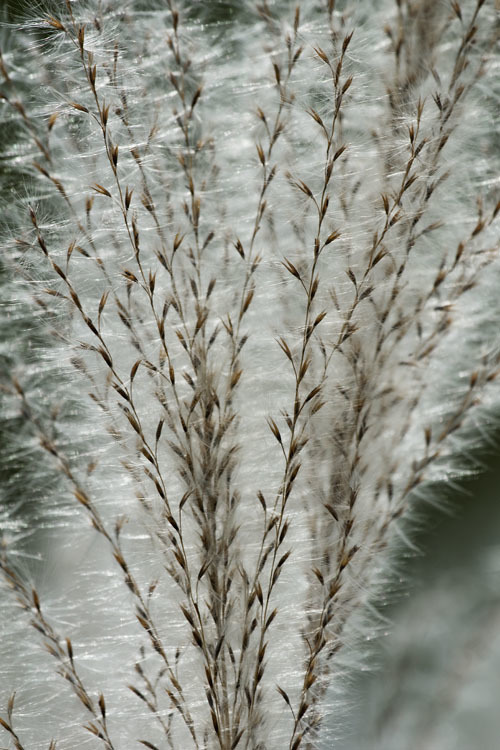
x=101 y=190
x=79 y=107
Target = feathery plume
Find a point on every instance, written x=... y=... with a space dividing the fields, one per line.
x=258 y=252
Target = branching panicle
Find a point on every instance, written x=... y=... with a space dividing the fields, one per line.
x=258 y=256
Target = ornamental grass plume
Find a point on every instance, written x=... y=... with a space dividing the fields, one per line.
x=252 y=266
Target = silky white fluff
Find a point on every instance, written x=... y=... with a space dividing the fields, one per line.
x=405 y=359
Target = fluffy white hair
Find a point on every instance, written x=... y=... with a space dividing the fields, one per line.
x=261 y=237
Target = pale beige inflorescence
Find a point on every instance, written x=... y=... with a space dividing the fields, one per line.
x=260 y=255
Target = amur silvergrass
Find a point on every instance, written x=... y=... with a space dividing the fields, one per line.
x=260 y=236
